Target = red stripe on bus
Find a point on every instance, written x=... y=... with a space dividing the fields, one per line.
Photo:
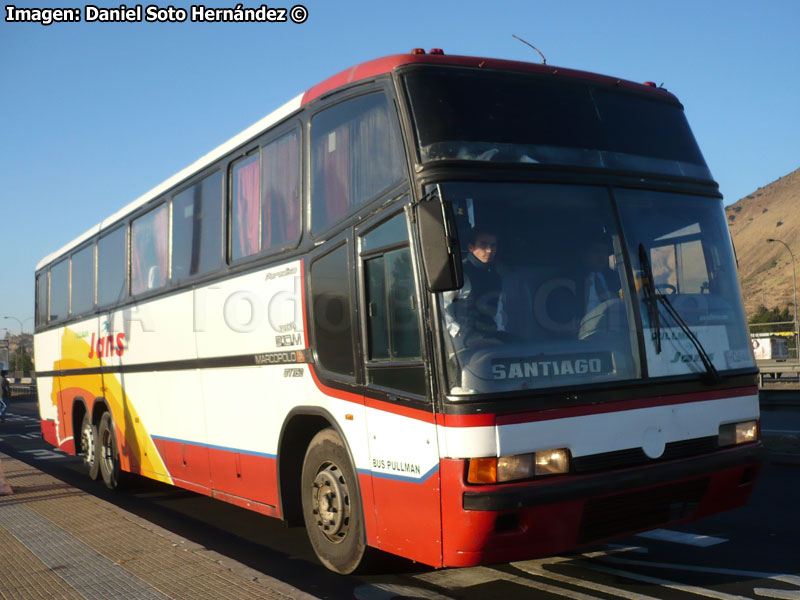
x=418 y=414
x=386 y=64
x=478 y=420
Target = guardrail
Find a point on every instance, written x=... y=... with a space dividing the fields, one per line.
x=777 y=370
x=23 y=389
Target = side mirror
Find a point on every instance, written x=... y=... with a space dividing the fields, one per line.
x=441 y=252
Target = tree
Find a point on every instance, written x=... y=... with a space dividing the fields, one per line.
x=764 y=316
x=20 y=361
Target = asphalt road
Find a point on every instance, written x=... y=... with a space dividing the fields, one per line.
x=751 y=552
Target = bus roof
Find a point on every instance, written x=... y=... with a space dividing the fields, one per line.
x=360 y=72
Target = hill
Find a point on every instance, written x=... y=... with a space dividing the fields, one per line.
x=765 y=269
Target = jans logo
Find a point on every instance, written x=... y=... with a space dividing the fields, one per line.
x=108 y=345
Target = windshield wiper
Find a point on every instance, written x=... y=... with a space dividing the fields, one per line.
x=653 y=297
x=650 y=295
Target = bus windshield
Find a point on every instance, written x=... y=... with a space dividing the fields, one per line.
x=463 y=114
x=546 y=301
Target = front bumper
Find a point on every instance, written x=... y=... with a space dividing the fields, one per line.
x=521 y=521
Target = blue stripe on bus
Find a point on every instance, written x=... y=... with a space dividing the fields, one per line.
x=381 y=475
x=213 y=447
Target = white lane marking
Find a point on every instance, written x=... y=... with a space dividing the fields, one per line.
x=621 y=548
x=793 y=579
x=681 y=587
x=388 y=591
x=537 y=568
x=678 y=537
x=781 y=594
x=474 y=575
x=42 y=454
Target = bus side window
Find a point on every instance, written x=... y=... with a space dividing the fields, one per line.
x=331 y=312
x=41 y=298
x=394 y=346
x=111 y=268
x=82 y=288
x=149 y=238
x=280 y=193
x=245 y=193
x=59 y=290
x=392 y=307
x=356 y=155
x=197 y=228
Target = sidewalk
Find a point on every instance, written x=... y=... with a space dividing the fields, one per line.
x=59 y=542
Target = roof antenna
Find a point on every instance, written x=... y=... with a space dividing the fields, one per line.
x=544 y=60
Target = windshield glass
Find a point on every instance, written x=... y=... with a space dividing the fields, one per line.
x=546 y=300
x=687 y=244
x=468 y=114
x=544 y=297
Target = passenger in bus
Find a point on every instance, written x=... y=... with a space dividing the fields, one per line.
x=473 y=314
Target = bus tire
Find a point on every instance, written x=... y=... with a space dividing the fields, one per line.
x=331 y=504
x=88 y=448
x=108 y=454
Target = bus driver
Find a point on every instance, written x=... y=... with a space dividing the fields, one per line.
x=473 y=314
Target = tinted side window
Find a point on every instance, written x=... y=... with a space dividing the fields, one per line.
x=280 y=205
x=149 y=250
x=111 y=268
x=245 y=192
x=391 y=301
x=59 y=286
x=82 y=281
x=330 y=297
x=197 y=229
x=41 y=298
x=356 y=153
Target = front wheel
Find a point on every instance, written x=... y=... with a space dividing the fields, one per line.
x=331 y=504
x=108 y=454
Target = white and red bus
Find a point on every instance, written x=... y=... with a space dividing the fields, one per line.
x=458 y=309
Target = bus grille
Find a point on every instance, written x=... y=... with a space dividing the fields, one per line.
x=634 y=457
x=633 y=511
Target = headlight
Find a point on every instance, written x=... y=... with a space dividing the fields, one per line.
x=738 y=433
x=552 y=462
x=518 y=466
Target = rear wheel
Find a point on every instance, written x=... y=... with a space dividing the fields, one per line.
x=88 y=447
x=108 y=454
x=331 y=504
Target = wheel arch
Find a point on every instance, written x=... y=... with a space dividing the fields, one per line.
x=99 y=407
x=299 y=428
x=79 y=409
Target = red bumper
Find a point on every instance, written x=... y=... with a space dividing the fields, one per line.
x=484 y=524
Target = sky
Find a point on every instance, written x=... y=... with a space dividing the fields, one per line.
x=93 y=114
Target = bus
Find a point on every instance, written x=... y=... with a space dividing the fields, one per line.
x=458 y=309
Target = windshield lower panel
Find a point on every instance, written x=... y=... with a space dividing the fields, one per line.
x=547 y=303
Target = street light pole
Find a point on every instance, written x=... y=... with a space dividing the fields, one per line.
x=794 y=280
x=18 y=321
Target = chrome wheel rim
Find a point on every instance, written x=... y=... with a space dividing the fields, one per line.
x=87 y=442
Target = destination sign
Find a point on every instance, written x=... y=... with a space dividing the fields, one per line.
x=561 y=365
